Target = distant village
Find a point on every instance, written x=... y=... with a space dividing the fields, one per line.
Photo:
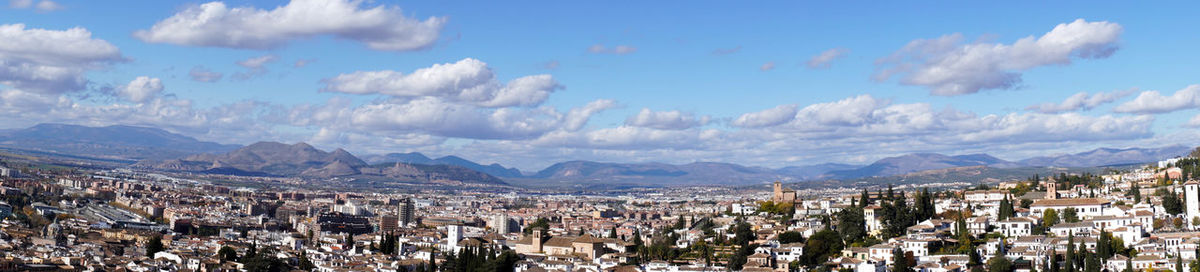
x=1141 y=219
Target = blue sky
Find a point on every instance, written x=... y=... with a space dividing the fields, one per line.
x=532 y=84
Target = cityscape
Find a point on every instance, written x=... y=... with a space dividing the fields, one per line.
x=397 y=136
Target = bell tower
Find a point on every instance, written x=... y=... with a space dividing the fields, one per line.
x=1051 y=189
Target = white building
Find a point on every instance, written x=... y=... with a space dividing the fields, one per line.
x=1084 y=207
x=1191 y=192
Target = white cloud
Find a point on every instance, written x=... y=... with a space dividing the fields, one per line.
x=1153 y=102
x=1080 y=101
x=215 y=25
x=141 y=89
x=257 y=62
x=51 y=61
x=303 y=62
x=48 y=6
x=826 y=58
x=468 y=80
x=668 y=120
x=446 y=119
x=770 y=65
x=766 y=118
x=202 y=74
x=578 y=117
x=948 y=67
x=617 y=50
x=20 y=4
x=255 y=66
x=1194 y=122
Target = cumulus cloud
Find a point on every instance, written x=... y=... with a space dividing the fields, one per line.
x=948 y=66
x=468 y=80
x=141 y=89
x=616 y=50
x=51 y=61
x=769 y=117
x=1080 y=101
x=1149 y=102
x=202 y=74
x=438 y=117
x=826 y=58
x=668 y=120
x=213 y=24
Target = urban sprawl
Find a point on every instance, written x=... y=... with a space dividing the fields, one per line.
x=1136 y=219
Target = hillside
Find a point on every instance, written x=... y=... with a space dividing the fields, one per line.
x=110 y=142
x=303 y=160
x=494 y=169
x=914 y=163
x=1109 y=156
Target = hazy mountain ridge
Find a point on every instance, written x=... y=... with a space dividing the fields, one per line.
x=303 y=160
x=657 y=173
x=119 y=142
x=1109 y=156
x=916 y=162
x=494 y=169
x=159 y=149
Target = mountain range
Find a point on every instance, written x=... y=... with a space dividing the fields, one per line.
x=154 y=148
x=494 y=169
x=303 y=160
x=111 y=142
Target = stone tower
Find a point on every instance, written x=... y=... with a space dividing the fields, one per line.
x=1051 y=189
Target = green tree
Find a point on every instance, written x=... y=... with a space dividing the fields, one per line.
x=1171 y=204
x=1069 y=259
x=154 y=245
x=900 y=261
x=866 y=199
x=1049 y=218
x=1069 y=215
x=304 y=263
x=1178 y=262
x=1091 y=263
x=851 y=224
x=227 y=253
x=742 y=234
x=789 y=237
x=1053 y=262
x=542 y=224
x=999 y=263
x=820 y=247
x=1006 y=209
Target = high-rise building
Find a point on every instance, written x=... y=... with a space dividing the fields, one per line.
x=389 y=223
x=407 y=212
x=503 y=224
x=1191 y=196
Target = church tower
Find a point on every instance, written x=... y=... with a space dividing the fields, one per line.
x=1051 y=189
x=778 y=193
x=1191 y=197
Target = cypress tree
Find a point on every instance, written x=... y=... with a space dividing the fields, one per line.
x=1069 y=259
x=899 y=261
